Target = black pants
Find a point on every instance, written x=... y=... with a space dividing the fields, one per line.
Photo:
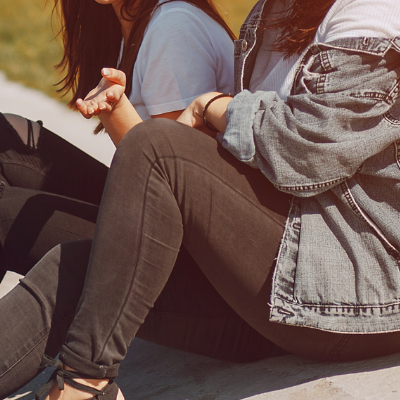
x=189 y=314
x=32 y=220
x=168 y=185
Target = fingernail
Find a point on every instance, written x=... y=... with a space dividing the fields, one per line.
x=102 y=107
x=106 y=71
x=79 y=102
x=90 y=112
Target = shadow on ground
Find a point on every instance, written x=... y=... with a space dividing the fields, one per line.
x=156 y=372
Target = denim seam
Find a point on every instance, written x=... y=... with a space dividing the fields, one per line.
x=142 y=221
x=220 y=180
x=36 y=344
x=343 y=307
x=391 y=119
x=365 y=217
x=302 y=188
x=397 y=151
x=136 y=263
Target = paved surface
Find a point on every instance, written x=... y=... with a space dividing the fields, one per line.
x=32 y=104
x=154 y=372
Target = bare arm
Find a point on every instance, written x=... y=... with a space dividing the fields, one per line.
x=193 y=115
x=113 y=108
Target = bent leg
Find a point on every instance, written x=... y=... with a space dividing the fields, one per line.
x=33 y=222
x=190 y=315
x=36 y=314
x=169 y=183
x=47 y=162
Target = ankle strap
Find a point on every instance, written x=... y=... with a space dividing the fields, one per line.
x=63 y=376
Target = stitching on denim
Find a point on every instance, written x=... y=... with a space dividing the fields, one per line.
x=393 y=93
x=112 y=329
x=302 y=188
x=140 y=244
x=396 y=145
x=328 y=306
x=277 y=263
x=370 y=95
x=359 y=211
x=325 y=61
x=350 y=199
x=37 y=344
x=391 y=119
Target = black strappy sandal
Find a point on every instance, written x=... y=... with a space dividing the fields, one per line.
x=109 y=392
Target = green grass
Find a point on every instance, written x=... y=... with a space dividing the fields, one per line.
x=28 y=50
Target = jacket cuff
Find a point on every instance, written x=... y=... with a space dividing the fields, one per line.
x=238 y=138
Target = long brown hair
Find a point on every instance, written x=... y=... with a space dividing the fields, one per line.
x=299 y=24
x=91 y=35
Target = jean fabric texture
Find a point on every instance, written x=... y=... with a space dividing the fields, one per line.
x=51 y=196
x=208 y=296
x=334 y=145
x=188 y=312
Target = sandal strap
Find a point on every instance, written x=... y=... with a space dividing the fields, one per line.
x=61 y=376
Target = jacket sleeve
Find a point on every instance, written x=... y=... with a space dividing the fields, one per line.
x=335 y=119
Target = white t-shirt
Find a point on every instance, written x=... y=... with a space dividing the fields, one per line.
x=345 y=19
x=184 y=54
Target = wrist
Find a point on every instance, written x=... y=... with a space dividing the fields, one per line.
x=214 y=111
x=122 y=102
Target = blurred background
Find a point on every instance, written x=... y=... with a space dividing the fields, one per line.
x=29 y=49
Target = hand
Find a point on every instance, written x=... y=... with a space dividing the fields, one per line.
x=193 y=115
x=105 y=96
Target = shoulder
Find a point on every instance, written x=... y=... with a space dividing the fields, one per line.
x=179 y=15
x=357 y=18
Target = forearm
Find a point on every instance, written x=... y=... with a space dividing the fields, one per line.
x=216 y=113
x=122 y=118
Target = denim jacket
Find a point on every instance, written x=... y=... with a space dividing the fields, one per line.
x=335 y=145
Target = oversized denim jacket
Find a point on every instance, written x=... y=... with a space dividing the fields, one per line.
x=334 y=145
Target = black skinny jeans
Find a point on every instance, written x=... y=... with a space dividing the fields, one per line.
x=168 y=185
x=32 y=220
x=189 y=314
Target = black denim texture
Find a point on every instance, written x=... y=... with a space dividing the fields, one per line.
x=189 y=314
x=182 y=255
x=51 y=196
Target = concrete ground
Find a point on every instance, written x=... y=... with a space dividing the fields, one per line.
x=154 y=372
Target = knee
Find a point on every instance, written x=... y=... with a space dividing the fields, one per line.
x=151 y=128
x=21 y=126
x=150 y=137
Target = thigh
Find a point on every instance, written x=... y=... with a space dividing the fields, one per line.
x=37 y=313
x=233 y=220
x=190 y=315
x=232 y=217
x=33 y=222
x=56 y=166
